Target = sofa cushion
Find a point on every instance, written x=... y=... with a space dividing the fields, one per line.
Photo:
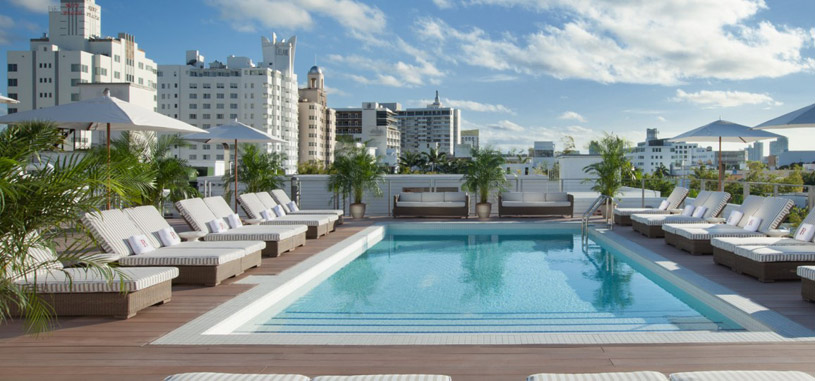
x=410 y=196
x=534 y=197
x=560 y=196
x=538 y=204
x=429 y=204
x=432 y=196
x=512 y=196
x=455 y=196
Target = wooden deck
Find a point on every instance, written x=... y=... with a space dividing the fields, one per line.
x=95 y=348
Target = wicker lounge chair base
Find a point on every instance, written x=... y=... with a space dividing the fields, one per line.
x=277 y=248
x=622 y=220
x=650 y=231
x=208 y=275
x=808 y=290
x=115 y=304
x=251 y=260
x=318 y=231
x=693 y=247
x=724 y=258
x=505 y=211
x=768 y=272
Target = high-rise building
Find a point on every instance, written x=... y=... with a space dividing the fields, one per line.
x=432 y=127
x=755 y=152
x=74 y=52
x=779 y=146
x=373 y=124
x=677 y=157
x=318 y=123
x=263 y=96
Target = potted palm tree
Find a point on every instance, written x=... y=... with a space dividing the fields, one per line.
x=482 y=176
x=355 y=171
x=612 y=171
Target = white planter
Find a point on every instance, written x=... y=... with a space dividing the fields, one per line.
x=482 y=210
x=358 y=210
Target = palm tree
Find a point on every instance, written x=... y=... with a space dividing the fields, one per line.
x=411 y=160
x=434 y=157
x=483 y=174
x=43 y=194
x=355 y=172
x=259 y=171
x=614 y=168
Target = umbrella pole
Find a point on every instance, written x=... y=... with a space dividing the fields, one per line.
x=108 y=143
x=721 y=166
x=236 y=175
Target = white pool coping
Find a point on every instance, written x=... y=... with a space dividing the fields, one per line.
x=278 y=291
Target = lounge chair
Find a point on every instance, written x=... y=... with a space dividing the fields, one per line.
x=724 y=248
x=386 y=377
x=283 y=200
x=807 y=274
x=85 y=291
x=742 y=375
x=208 y=266
x=149 y=220
x=269 y=202
x=210 y=376
x=279 y=239
x=318 y=224
x=695 y=239
x=622 y=216
x=611 y=376
x=651 y=224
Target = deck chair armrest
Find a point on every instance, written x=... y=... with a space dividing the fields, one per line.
x=253 y=221
x=778 y=232
x=674 y=211
x=192 y=235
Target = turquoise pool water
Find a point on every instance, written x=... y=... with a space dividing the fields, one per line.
x=517 y=281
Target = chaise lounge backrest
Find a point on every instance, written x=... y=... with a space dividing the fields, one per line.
x=772 y=212
x=701 y=198
x=715 y=203
x=196 y=212
x=676 y=197
x=282 y=198
x=252 y=205
x=748 y=207
x=149 y=220
x=112 y=228
x=218 y=206
x=266 y=199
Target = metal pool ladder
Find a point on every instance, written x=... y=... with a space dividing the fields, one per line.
x=584 y=222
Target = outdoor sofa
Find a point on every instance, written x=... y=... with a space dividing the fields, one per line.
x=650 y=225
x=431 y=204
x=114 y=231
x=696 y=239
x=257 y=204
x=278 y=239
x=290 y=207
x=535 y=204
x=716 y=375
x=298 y=377
x=622 y=216
x=86 y=291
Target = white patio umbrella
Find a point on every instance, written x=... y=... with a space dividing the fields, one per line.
x=724 y=131
x=232 y=133
x=8 y=100
x=803 y=117
x=107 y=112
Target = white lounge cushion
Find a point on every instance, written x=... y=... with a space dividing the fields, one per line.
x=268 y=233
x=742 y=375
x=432 y=196
x=806 y=272
x=336 y=212
x=251 y=205
x=708 y=233
x=699 y=212
x=196 y=213
x=217 y=225
x=302 y=219
x=559 y=196
x=91 y=280
x=729 y=244
x=611 y=376
x=455 y=196
x=662 y=219
x=805 y=232
x=385 y=377
x=534 y=197
x=664 y=205
x=267 y=199
x=423 y=204
x=631 y=211
x=112 y=228
x=797 y=253
x=280 y=196
x=209 y=376
x=172 y=256
x=410 y=196
x=247 y=247
x=512 y=196
x=267 y=215
x=676 y=197
x=535 y=204
x=753 y=224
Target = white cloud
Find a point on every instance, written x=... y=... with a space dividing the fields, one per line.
x=571 y=115
x=470 y=105
x=661 y=119
x=504 y=134
x=650 y=42
x=6 y=23
x=713 y=99
x=396 y=74
x=500 y=77
x=250 y=15
x=39 y=6
x=444 y=4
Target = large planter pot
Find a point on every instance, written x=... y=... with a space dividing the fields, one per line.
x=358 y=210
x=482 y=210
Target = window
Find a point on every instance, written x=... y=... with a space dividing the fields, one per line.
x=141 y=65
x=117 y=75
x=219 y=96
x=233 y=106
x=233 y=96
x=207 y=96
x=193 y=106
x=117 y=58
x=206 y=146
x=74 y=97
x=219 y=106
x=233 y=85
x=193 y=96
x=233 y=116
x=12 y=67
x=219 y=116
x=193 y=85
x=193 y=157
x=206 y=116
x=207 y=106
x=12 y=81
x=13 y=96
x=205 y=157
x=220 y=85
x=219 y=157
x=207 y=86
x=193 y=116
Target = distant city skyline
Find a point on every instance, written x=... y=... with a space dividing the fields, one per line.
x=533 y=69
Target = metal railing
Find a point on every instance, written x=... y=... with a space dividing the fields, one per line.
x=600 y=201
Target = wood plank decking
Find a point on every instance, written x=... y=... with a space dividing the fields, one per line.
x=97 y=349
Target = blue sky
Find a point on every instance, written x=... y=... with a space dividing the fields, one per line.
x=520 y=70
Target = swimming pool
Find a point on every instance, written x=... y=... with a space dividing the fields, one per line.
x=509 y=281
x=436 y=283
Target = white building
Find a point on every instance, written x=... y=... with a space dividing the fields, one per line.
x=375 y=125
x=318 y=123
x=432 y=127
x=470 y=137
x=543 y=154
x=72 y=53
x=677 y=157
x=263 y=96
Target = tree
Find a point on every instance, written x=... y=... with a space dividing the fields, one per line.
x=355 y=172
x=43 y=194
x=568 y=145
x=258 y=171
x=483 y=173
x=312 y=167
x=411 y=161
x=614 y=168
x=434 y=157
